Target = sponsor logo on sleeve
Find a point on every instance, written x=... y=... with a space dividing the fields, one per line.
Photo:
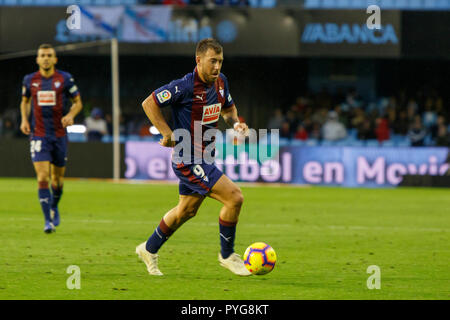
x=229 y=98
x=73 y=89
x=164 y=96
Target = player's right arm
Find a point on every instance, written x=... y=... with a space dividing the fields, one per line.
x=154 y=114
x=25 y=107
x=170 y=94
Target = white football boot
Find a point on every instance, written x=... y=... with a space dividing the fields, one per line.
x=235 y=264
x=150 y=260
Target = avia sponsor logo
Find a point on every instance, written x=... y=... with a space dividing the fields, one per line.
x=211 y=113
x=46 y=98
x=333 y=33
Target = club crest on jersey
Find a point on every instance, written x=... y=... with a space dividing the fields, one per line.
x=221 y=92
x=57 y=84
x=211 y=113
x=46 y=98
x=164 y=96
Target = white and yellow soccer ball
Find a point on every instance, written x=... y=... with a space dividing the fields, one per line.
x=260 y=258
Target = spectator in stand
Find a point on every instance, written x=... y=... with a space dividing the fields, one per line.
x=293 y=120
x=301 y=103
x=342 y=115
x=443 y=136
x=440 y=108
x=320 y=116
x=412 y=110
x=429 y=116
x=179 y=3
x=144 y=131
x=382 y=129
x=96 y=126
x=231 y=2
x=109 y=124
x=333 y=130
x=365 y=130
x=9 y=131
x=417 y=133
x=352 y=100
x=358 y=118
x=301 y=133
x=315 y=132
x=285 y=131
x=435 y=128
x=401 y=125
x=277 y=120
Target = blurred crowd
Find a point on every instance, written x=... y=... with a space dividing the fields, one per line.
x=423 y=118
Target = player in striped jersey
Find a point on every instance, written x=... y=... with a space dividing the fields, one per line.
x=197 y=100
x=46 y=95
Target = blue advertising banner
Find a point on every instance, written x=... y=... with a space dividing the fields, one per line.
x=334 y=166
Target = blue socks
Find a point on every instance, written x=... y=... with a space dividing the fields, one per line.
x=159 y=236
x=45 y=199
x=227 y=235
x=163 y=232
x=57 y=193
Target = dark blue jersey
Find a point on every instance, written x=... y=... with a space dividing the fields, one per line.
x=195 y=102
x=49 y=101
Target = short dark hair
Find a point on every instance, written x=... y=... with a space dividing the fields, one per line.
x=208 y=43
x=46 y=46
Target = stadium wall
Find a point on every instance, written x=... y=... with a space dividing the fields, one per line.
x=293 y=32
x=85 y=160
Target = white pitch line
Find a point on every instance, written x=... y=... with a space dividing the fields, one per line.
x=255 y=225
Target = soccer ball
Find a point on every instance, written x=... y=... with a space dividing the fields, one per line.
x=260 y=258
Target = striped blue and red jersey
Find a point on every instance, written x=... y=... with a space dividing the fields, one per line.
x=193 y=101
x=50 y=99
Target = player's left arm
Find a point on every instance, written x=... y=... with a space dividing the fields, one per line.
x=77 y=106
x=72 y=91
x=230 y=115
x=229 y=111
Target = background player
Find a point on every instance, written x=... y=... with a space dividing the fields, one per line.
x=45 y=96
x=199 y=98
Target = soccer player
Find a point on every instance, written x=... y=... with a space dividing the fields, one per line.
x=197 y=99
x=45 y=97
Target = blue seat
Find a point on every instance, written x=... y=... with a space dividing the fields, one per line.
x=297 y=143
x=356 y=143
x=133 y=137
x=353 y=133
x=372 y=143
x=388 y=143
x=403 y=143
x=284 y=141
x=107 y=138
x=327 y=143
x=311 y=142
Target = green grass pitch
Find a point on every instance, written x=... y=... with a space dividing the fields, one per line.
x=325 y=239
